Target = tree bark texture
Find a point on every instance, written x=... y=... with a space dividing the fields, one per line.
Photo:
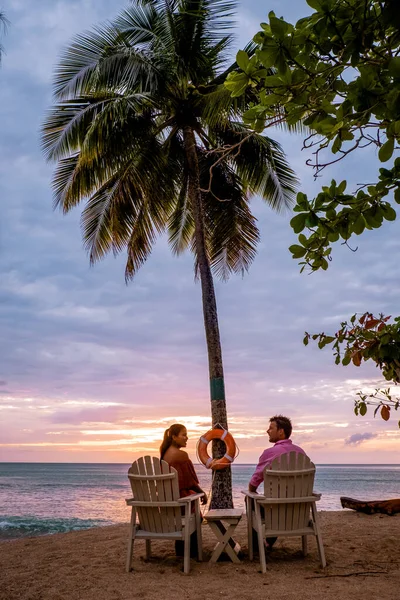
x=222 y=480
x=387 y=507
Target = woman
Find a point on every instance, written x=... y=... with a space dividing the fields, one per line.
x=175 y=438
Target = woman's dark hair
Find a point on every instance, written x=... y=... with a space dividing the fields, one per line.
x=175 y=429
x=283 y=423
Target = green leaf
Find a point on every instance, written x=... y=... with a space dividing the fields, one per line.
x=237 y=83
x=297 y=251
x=389 y=213
x=342 y=186
x=337 y=144
x=394 y=66
x=317 y=4
x=333 y=237
x=279 y=27
x=386 y=151
x=324 y=264
x=363 y=409
x=359 y=225
x=311 y=220
x=268 y=56
x=305 y=340
x=273 y=81
x=298 y=222
x=242 y=59
x=271 y=99
x=302 y=201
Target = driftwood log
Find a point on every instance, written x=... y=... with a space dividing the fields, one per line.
x=387 y=507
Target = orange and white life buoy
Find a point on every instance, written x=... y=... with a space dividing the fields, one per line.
x=219 y=463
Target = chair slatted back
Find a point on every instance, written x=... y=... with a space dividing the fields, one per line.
x=155 y=481
x=290 y=475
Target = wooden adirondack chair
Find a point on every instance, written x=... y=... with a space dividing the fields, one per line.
x=288 y=506
x=157 y=510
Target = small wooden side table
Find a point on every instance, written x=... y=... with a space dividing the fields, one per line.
x=216 y=518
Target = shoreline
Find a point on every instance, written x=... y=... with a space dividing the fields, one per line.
x=89 y=565
x=4 y=537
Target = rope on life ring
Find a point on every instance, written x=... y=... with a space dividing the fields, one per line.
x=219 y=463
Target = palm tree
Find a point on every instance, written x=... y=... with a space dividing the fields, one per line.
x=145 y=131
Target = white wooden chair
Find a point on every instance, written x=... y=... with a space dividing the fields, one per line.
x=157 y=510
x=288 y=506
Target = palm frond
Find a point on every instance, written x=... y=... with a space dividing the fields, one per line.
x=181 y=223
x=231 y=228
x=109 y=216
x=261 y=163
x=63 y=180
x=134 y=204
x=66 y=124
x=77 y=70
x=137 y=23
x=140 y=243
x=4 y=23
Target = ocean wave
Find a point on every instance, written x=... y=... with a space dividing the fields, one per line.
x=78 y=485
x=12 y=527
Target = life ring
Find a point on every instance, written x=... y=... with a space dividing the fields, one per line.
x=219 y=463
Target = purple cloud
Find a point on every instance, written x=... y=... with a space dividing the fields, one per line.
x=359 y=438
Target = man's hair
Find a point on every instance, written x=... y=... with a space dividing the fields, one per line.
x=283 y=423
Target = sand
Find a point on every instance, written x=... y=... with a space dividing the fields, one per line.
x=363 y=555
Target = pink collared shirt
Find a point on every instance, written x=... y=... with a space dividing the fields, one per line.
x=266 y=458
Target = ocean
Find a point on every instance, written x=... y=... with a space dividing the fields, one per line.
x=46 y=498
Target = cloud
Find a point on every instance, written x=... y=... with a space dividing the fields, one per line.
x=359 y=438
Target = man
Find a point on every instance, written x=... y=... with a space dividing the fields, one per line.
x=279 y=432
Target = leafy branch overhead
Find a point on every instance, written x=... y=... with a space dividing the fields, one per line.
x=382 y=400
x=362 y=339
x=336 y=71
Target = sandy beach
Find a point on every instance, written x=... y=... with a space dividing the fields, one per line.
x=363 y=554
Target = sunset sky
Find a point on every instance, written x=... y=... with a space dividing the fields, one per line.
x=94 y=370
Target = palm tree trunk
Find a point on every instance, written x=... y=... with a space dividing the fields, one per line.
x=222 y=480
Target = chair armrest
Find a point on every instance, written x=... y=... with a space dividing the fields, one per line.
x=253 y=495
x=316 y=495
x=191 y=498
x=148 y=504
x=129 y=500
x=302 y=500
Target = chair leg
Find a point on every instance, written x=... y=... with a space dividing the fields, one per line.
x=304 y=544
x=249 y=509
x=148 y=549
x=186 y=538
x=186 y=551
x=260 y=535
x=318 y=536
x=132 y=532
x=199 y=534
x=321 y=550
